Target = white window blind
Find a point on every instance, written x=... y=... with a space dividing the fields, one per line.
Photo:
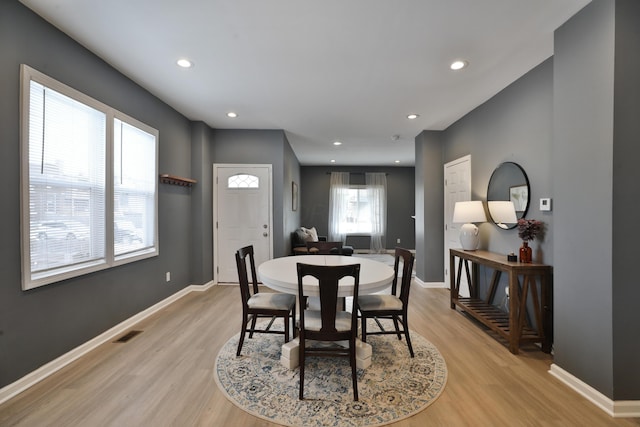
x=66 y=181
x=73 y=221
x=134 y=188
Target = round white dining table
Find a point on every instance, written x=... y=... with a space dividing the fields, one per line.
x=280 y=274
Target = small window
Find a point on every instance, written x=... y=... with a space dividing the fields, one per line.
x=243 y=181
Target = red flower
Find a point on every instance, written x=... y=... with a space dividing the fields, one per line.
x=528 y=229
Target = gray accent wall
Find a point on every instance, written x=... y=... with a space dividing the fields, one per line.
x=314 y=190
x=572 y=124
x=43 y=324
x=40 y=325
x=595 y=152
x=429 y=196
x=263 y=147
x=626 y=197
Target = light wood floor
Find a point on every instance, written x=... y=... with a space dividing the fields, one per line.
x=164 y=376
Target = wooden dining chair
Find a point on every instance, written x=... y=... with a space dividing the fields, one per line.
x=257 y=304
x=394 y=306
x=324 y=248
x=328 y=324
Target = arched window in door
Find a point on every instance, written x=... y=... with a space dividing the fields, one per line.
x=243 y=180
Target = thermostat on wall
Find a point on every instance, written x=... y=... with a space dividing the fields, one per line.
x=545 y=204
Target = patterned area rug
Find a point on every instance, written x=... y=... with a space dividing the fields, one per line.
x=394 y=387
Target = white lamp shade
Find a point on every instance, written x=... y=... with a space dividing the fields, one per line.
x=471 y=211
x=502 y=212
x=468 y=212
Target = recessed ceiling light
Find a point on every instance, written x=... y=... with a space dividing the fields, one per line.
x=397 y=161
x=412 y=116
x=232 y=115
x=458 y=65
x=333 y=161
x=184 y=63
x=337 y=143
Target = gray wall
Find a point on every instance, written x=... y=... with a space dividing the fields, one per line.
x=429 y=207
x=290 y=218
x=626 y=196
x=572 y=124
x=41 y=324
x=514 y=126
x=202 y=202
x=314 y=190
x=595 y=168
x=263 y=147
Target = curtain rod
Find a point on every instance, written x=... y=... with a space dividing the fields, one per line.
x=359 y=173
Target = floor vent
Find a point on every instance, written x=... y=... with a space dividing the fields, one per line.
x=126 y=337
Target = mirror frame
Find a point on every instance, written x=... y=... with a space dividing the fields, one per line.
x=519 y=214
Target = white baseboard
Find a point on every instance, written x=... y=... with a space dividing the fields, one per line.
x=617 y=409
x=55 y=365
x=429 y=284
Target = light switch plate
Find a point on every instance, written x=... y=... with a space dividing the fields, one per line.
x=545 y=204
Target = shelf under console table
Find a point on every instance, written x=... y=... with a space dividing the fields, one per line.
x=524 y=279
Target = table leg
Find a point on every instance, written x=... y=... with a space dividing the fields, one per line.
x=514 y=305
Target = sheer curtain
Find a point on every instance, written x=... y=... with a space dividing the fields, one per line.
x=377 y=197
x=338 y=205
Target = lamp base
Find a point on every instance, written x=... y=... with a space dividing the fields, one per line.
x=469 y=237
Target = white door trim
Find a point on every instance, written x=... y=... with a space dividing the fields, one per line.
x=448 y=211
x=216 y=167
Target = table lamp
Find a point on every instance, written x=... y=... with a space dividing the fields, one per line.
x=502 y=213
x=466 y=213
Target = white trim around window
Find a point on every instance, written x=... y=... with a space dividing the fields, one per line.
x=89 y=187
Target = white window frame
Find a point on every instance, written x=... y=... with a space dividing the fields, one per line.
x=33 y=280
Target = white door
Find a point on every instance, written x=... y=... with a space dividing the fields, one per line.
x=457 y=188
x=242 y=200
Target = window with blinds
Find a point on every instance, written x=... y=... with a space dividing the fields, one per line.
x=73 y=221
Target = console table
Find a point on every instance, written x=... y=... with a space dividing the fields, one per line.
x=524 y=279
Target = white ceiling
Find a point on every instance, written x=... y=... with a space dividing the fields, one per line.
x=348 y=70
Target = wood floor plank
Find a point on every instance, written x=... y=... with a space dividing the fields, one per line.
x=164 y=375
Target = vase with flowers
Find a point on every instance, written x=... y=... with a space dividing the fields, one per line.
x=528 y=229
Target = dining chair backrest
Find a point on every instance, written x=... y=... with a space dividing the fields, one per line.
x=244 y=270
x=328 y=281
x=257 y=305
x=404 y=276
x=330 y=324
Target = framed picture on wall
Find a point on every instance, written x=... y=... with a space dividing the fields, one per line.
x=294 y=196
x=519 y=194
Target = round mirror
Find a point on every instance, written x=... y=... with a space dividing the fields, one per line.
x=508 y=183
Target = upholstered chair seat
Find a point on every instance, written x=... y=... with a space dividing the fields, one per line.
x=379 y=302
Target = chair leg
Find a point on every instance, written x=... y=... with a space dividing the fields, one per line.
x=395 y=323
x=301 y=362
x=405 y=324
x=363 y=325
x=293 y=323
x=242 y=333
x=378 y=322
x=254 y=318
x=286 y=328
x=354 y=374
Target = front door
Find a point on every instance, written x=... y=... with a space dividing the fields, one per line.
x=242 y=199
